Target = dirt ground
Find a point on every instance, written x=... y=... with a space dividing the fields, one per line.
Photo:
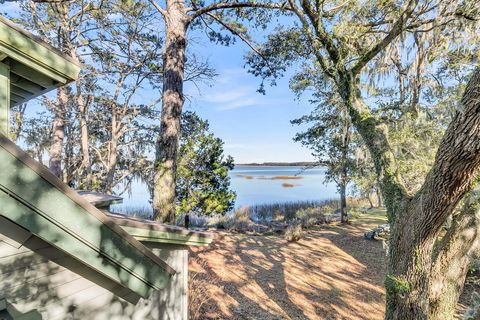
x=332 y=273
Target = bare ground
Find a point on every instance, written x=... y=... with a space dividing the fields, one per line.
x=332 y=273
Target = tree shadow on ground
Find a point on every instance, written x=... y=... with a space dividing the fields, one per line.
x=333 y=273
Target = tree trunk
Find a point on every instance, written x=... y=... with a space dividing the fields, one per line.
x=86 y=169
x=457 y=250
x=410 y=265
x=176 y=22
x=368 y=196
x=112 y=165
x=112 y=151
x=58 y=126
x=346 y=137
x=343 y=203
x=58 y=132
x=379 y=195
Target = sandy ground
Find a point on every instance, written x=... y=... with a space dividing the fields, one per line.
x=332 y=273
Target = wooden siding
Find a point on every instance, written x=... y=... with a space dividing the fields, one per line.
x=36 y=284
x=4 y=98
x=33 y=198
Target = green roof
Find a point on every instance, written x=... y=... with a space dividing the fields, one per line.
x=33 y=198
x=151 y=231
x=35 y=66
x=36 y=200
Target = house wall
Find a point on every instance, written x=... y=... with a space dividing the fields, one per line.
x=36 y=282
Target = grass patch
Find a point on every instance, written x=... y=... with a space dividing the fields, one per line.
x=245 y=176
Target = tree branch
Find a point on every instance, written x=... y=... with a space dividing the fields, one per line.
x=313 y=40
x=236 y=33
x=397 y=29
x=234 y=5
x=159 y=8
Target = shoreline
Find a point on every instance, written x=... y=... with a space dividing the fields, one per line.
x=278 y=164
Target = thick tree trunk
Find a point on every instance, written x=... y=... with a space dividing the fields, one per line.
x=58 y=132
x=458 y=248
x=416 y=229
x=176 y=22
x=375 y=136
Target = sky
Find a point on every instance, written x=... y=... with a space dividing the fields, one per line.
x=254 y=127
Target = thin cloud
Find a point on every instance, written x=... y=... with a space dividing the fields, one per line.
x=235 y=98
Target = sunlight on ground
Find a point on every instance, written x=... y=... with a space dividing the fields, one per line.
x=332 y=273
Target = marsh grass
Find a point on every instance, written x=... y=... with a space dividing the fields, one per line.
x=250 y=177
x=286 y=178
x=140 y=211
x=266 y=213
x=245 y=176
x=290 y=185
x=262 y=217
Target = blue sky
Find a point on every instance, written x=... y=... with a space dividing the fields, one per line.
x=255 y=127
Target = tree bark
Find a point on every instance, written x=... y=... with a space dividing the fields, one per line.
x=343 y=203
x=112 y=164
x=379 y=195
x=454 y=171
x=58 y=126
x=346 y=137
x=176 y=22
x=457 y=250
x=368 y=196
x=58 y=132
x=86 y=169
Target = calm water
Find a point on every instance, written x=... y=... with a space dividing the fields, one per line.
x=257 y=185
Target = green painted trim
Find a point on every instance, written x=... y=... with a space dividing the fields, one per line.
x=34 y=203
x=25 y=48
x=4 y=99
x=32 y=75
x=148 y=235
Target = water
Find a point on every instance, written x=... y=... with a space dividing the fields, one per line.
x=259 y=185
x=269 y=184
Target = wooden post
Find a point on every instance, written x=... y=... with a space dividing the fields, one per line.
x=4 y=99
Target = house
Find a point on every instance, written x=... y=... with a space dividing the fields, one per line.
x=61 y=257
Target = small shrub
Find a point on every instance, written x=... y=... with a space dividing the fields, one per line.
x=294 y=232
x=310 y=217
